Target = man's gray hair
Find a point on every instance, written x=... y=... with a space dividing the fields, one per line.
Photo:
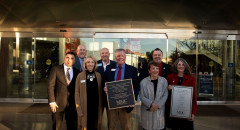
x=118 y=50
x=104 y=48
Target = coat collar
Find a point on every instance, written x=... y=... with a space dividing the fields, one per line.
x=149 y=79
x=184 y=76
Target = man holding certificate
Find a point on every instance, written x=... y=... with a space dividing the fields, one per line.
x=121 y=71
x=182 y=76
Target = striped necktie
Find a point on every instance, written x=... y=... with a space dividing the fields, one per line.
x=68 y=74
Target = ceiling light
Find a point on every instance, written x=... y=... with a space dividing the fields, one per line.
x=130 y=35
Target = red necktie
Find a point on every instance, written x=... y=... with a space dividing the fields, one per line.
x=160 y=69
x=119 y=73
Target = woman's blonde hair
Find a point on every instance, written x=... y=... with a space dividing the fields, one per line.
x=86 y=60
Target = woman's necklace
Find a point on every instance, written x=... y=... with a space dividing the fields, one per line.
x=91 y=77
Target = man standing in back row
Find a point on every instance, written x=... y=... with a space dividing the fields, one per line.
x=61 y=91
x=164 y=69
x=81 y=55
x=101 y=68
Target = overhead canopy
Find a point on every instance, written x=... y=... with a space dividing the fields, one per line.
x=17 y=15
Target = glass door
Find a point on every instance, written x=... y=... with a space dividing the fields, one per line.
x=17 y=75
x=46 y=56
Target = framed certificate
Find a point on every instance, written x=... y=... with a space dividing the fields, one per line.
x=181 y=102
x=120 y=94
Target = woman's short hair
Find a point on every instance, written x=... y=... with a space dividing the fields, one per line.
x=86 y=60
x=152 y=63
x=185 y=64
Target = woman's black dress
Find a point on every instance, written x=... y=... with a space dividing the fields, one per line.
x=92 y=101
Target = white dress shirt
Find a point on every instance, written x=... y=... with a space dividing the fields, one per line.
x=70 y=71
x=105 y=65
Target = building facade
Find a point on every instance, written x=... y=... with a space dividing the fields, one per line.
x=27 y=58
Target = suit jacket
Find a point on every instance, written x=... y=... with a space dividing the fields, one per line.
x=100 y=69
x=129 y=73
x=58 y=89
x=166 y=69
x=188 y=80
x=77 y=64
x=81 y=99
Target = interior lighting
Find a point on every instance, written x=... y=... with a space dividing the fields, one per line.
x=130 y=35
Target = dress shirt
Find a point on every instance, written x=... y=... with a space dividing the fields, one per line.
x=105 y=65
x=81 y=62
x=122 y=71
x=70 y=71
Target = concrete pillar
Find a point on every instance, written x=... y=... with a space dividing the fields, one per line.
x=61 y=50
x=224 y=68
x=230 y=70
x=4 y=68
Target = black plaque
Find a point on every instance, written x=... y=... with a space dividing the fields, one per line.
x=205 y=85
x=181 y=102
x=120 y=94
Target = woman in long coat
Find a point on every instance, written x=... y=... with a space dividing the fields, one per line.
x=153 y=94
x=88 y=96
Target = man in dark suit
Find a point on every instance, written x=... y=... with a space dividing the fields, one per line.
x=61 y=91
x=156 y=56
x=121 y=71
x=102 y=65
x=80 y=57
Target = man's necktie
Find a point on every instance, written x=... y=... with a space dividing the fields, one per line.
x=119 y=73
x=68 y=74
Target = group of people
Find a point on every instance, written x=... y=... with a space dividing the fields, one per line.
x=77 y=91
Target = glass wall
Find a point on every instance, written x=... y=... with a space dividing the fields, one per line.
x=20 y=79
x=26 y=62
x=46 y=56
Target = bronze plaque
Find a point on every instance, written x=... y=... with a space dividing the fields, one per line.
x=120 y=94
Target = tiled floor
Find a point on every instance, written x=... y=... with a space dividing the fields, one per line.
x=27 y=116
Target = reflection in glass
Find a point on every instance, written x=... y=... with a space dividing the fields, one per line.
x=28 y=68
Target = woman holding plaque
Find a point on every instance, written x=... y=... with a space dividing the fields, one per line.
x=88 y=96
x=153 y=94
x=181 y=76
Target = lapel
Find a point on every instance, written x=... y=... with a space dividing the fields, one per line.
x=163 y=68
x=159 y=88
x=83 y=78
x=77 y=64
x=185 y=78
x=112 y=73
x=150 y=89
x=74 y=75
x=62 y=74
x=100 y=67
x=112 y=62
x=98 y=80
x=126 y=72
